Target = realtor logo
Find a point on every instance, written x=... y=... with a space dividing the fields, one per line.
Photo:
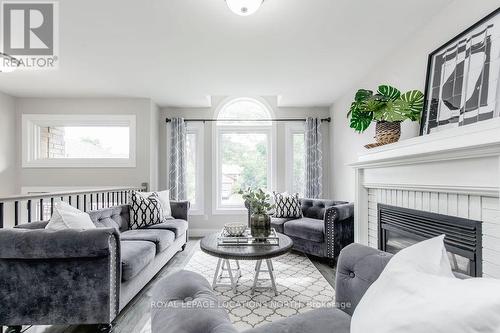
x=30 y=33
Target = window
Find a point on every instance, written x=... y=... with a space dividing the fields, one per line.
x=78 y=140
x=244 y=151
x=244 y=109
x=295 y=163
x=194 y=167
x=83 y=142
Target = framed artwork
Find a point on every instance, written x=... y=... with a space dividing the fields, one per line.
x=462 y=84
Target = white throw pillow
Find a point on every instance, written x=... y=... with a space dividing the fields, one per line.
x=417 y=293
x=68 y=217
x=164 y=198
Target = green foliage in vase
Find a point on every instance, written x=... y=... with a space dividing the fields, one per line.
x=258 y=200
x=388 y=104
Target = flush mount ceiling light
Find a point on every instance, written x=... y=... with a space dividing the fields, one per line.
x=8 y=63
x=244 y=7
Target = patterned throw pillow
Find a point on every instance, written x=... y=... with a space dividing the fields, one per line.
x=144 y=211
x=287 y=205
x=163 y=197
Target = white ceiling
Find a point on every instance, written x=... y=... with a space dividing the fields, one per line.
x=179 y=52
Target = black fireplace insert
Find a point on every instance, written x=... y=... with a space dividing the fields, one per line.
x=401 y=227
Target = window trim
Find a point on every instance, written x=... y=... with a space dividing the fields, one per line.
x=199 y=130
x=269 y=130
x=291 y=129
x=31 y=124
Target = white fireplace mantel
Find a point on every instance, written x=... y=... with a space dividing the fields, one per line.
x=478 y=140
x=453 y=172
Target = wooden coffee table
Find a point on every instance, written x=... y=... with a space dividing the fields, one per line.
x=244 y=252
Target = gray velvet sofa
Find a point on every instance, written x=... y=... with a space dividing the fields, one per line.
x=185 y=303
x=82 y=276
x=327 y=226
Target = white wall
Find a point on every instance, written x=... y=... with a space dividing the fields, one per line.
x=154 y=146
x=9 y=178
x=146 y=169
x=404 y=68
x=210 y=221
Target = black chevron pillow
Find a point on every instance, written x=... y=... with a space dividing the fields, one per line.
x=144 y=210
x=287 y=205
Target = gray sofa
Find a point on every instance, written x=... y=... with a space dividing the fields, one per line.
x=82 y=276
x=185 y=303
x=327 y=226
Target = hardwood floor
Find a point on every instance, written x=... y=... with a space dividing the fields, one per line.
x=136 y=314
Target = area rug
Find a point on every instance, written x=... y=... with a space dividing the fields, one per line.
x=301 y=288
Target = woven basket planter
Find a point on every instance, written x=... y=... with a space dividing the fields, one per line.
x=386 y=132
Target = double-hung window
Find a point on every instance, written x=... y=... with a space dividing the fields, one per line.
x=244 y=151
x=55 y=140
x=295 y=158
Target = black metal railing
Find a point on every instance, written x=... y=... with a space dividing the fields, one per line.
x=39 y=206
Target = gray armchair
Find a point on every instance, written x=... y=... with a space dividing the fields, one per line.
x=325 y=228
x=185 y=303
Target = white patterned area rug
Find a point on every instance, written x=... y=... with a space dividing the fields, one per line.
x=301 y=288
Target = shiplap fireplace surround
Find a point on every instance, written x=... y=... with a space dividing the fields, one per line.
x=455 y=172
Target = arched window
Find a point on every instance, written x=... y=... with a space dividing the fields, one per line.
x=245 y=109
x=244 y=150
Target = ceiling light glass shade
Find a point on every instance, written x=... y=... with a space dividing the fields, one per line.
x=244 y=7
x=8 y=63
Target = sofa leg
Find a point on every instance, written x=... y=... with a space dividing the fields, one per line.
x=105 y=328
x=14 y=329
x=187 y=240
x=332 y=262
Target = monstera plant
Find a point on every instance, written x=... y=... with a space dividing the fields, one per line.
x=388 y=107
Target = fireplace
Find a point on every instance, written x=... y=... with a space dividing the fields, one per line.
x=401 y=227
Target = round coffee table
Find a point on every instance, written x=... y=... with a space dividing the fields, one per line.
x=244 y=252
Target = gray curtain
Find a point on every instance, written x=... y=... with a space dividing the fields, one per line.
x=177 y=161
x=314 y=158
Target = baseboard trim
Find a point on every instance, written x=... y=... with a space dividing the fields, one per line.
x=201 y=232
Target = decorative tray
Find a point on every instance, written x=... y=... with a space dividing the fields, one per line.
x=247 y=240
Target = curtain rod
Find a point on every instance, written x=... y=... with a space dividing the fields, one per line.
x=329 y=119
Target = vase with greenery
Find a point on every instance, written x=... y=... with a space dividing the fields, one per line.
x=259 y=204
x=388 y=107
